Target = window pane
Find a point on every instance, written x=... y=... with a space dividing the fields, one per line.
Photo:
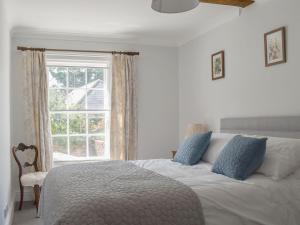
x=80 y=90
x=57 y=77
x=77 y=123
x=95 y=78
x=76 y=99
x=60 y=144
x=58 y=123
x=57 y=99
x=95 y=99
x=96 y=123
x=96 y=146
x=78 y=146
x=77 y=77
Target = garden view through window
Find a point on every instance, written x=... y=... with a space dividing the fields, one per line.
x=79 y=115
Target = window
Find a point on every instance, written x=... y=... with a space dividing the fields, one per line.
x=79 y=93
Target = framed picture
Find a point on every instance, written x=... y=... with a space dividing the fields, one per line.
x=275 y=47
x=218 y=65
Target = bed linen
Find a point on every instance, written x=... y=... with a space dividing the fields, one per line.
x=116 y=193
x=257 y=201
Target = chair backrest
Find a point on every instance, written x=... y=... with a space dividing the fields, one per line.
x=22 y=147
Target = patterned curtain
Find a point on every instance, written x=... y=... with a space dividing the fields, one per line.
x=123 y=136
x=37 y=122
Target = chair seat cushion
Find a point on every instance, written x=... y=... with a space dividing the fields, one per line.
x=31 y=179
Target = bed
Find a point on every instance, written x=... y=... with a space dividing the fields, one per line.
x=259 y=200
x=256 y=201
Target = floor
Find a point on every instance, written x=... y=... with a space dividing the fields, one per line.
x=27 y=216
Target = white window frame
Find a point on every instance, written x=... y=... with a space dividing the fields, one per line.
x=83 y=60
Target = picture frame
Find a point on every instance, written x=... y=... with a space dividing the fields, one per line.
x=275 y=47
x=218 y=65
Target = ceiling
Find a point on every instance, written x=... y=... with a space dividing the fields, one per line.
x=119 y=19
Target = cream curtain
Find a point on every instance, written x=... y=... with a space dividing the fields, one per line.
x=36 y=107
x=123 y=136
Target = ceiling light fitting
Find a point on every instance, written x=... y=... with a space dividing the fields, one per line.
x=174 y=6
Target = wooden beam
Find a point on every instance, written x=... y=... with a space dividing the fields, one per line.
x=238 y=3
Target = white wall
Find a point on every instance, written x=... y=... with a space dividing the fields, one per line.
x=157 y=91
x=249 y=88
x=5 y=166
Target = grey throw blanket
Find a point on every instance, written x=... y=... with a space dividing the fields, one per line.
x=116 y=193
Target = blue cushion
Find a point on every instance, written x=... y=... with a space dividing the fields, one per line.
x=241 y=157
x=193 y=148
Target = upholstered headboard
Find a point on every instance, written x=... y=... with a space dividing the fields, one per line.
x=283 y=126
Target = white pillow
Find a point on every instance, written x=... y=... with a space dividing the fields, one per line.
x=217 y=143
x=282 y=158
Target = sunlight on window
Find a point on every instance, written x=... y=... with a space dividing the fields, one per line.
x=79 y=112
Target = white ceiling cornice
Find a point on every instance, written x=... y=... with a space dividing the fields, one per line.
x=115 y=21
x=64 y=36
x=211 y=26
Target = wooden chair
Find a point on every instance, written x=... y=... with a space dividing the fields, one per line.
x=33 y=179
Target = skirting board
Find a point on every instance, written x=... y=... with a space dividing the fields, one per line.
x=11 y=212
x=28 y=195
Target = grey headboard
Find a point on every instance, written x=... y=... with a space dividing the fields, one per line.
x=283 y=126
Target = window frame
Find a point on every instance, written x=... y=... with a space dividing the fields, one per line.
x=86 y=62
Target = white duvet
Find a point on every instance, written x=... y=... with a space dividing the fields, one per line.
x=225 y=201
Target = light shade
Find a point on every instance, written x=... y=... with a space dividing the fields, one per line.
x=194 y=128
x=174 y=6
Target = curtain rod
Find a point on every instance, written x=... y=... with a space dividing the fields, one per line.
x=70 y=50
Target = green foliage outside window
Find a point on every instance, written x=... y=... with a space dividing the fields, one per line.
x=58 y=123
x=68 y=90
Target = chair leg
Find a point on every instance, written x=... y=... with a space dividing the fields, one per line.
x=21 y=197
x=37 y=192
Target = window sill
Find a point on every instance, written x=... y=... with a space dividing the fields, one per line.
x=70 y=162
